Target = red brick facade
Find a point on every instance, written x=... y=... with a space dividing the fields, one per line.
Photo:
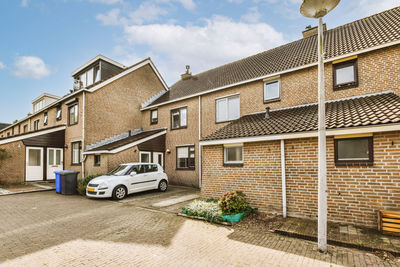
x=355 y=193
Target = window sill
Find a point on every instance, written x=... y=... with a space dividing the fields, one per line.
x=233 y=164
x=172 y=129
x=75 y=164
x=154 y=123
x=218 y=122
x=354 y=163
x=185 y=169
x=272 y=100
x=345 y=86
x=72 y=124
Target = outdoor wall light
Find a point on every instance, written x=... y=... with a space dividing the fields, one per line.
x=168 y=151
x=66 y=146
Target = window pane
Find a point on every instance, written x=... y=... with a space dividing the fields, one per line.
x=271 y=90
x=233 y=108
x=144 y=157
x=345 y=74
x=175 y=120
x=51 y=157
x=183 y=152
x=75 y=153
x=34 y=157
x=154 y=114
x=182 y=162
x=96 y=74
x=353 y=149
x=222 y=110
x=233 y=154
x=82 y=78
x=89 y=77
x=183 y=116
x=58 y=157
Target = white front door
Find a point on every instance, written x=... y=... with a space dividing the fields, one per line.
x=158 y=157
x=54 y=162
x=34 y=163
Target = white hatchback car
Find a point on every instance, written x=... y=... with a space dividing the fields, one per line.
x=126 y=179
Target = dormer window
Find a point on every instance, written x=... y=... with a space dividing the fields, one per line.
x=90 y=76
x=38 y=106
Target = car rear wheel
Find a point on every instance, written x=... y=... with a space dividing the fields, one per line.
x=162 y=186
x=119 y=192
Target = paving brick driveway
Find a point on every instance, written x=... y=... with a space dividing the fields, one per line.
x=46 y=229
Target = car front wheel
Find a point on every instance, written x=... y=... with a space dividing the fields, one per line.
x=162 y=186
x=119 y=192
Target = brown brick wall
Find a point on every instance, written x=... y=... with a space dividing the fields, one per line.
x=115 y=108
x=355 y=193
x=377 y=72
x=174 y=138
x=12 y=170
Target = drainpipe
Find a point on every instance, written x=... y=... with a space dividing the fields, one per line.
x=283 y=169
x=200 y=147
x=83 y=133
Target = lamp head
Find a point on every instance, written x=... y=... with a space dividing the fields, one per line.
x=317 y=8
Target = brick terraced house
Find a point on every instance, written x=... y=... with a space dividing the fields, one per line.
x=249 y=125
x=105 y=102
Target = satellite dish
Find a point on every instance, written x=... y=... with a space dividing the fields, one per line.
x=317 y=8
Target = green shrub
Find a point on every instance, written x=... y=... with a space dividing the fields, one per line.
x=234 y=203
x=82 y=183
x=206 y=209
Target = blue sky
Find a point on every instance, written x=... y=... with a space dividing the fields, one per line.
x=43 y=41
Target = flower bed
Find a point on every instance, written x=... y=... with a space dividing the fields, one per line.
x=203 y=208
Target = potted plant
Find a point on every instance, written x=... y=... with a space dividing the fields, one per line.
x=233 y=206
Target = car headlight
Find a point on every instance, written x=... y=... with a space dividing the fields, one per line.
x=103 y=186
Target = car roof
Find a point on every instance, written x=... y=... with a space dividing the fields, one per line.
x=138 y=163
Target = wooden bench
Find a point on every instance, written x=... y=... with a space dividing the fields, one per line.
x=389 y=222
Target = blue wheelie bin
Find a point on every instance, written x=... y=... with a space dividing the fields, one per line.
x=58 y=180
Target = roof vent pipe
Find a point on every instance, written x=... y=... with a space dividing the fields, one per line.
x=187 y=75
x=267 y=115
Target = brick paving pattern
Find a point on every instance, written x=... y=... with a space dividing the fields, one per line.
x=45 y=229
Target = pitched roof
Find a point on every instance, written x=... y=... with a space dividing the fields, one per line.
x=367 y=110
x=362 y=34
x=127 y=140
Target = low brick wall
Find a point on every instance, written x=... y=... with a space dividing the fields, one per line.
x=355 y=193
x=12 y=170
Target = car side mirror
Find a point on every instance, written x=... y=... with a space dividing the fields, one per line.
x=133 y=173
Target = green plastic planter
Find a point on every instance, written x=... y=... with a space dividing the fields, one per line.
x=234 y=218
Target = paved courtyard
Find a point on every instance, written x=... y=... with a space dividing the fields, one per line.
x=46 y=229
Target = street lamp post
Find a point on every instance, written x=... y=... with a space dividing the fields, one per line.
x=318 y=9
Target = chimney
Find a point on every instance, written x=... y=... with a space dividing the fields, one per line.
x=187 y=75
x=310 y=31
x=267 y=115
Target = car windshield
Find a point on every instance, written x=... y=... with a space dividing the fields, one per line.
x=120 y=170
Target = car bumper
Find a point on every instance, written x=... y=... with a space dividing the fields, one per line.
x=106 y=193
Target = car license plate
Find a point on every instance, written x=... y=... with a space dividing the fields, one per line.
x=90 y=189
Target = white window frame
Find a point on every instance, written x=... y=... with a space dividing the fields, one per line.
x=45 y=118
x=58 y=113
x=236 y=161
x=73 y=162
x=270 y=99
x=36 y=124
x=179 y=110
x=151 y=116
x=226 y=100
x=144 y=153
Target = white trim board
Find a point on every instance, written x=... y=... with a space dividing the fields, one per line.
x=129 y=70
x=124 y=147
x=276 y=73
x=94 y=60
x=29 y=135
x=329 y=132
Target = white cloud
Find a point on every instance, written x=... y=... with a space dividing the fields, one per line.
x=111 y=18
x=146 y=12
x=369 y=7
x=188 y=4
x=252 y=16
x=2 y=66
x=220 y=40
x=24 y=3
x=107 y=2
x=31 y=67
